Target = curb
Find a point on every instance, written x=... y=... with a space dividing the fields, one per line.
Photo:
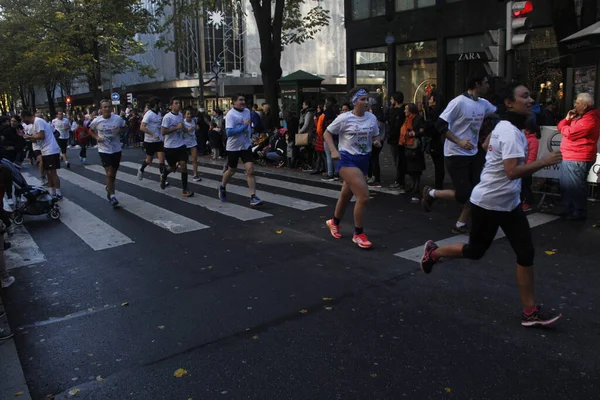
x=13 y=379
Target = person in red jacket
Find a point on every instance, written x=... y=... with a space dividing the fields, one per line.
x=532 y=134
x=580 y=130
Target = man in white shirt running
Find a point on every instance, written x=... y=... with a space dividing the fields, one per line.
x=460 y=123
x=239 y=131
x=63 y=126
x=153 y=139
x=106 y=129
x=42 y=133
x=172 y=128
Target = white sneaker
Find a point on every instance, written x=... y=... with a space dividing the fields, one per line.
x=8 y=281
x=140 y=174
x=196 y=178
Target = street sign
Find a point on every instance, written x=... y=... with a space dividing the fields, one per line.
x=116 y=103
x=115 y=97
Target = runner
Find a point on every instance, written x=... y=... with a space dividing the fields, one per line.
x=106 y=129
x=175 y=148
x=460 y=123
x=358 y=132
x=496 y=203
x=63 y=126
x=37 y=151
x=43 y=133
x=153 y=139
x=189 y=124
x=238 y=129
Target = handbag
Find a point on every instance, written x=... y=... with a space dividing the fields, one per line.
x=301 y=139
x=416 y=142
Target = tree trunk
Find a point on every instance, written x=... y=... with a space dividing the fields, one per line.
x=51 y=103
x=23 y=98
x=32 y=99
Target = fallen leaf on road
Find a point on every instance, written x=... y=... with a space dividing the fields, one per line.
x=329 y=308
x=99 y=378
x=161 y=327
x=373 y=375
x=19 y=394
x=179 y=373
x=255 y=337
x=550 y=253
x=49 y=396
x=90 y=354
x=279 y=232
x=90 y=309
x=74 y=392
x=327 y=298
x=210 y=267
x=595 y=226
x=303 y=311
x=124 y=304
x=448 y=390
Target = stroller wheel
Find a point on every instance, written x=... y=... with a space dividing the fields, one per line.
x=18 y=219
x=54 y=213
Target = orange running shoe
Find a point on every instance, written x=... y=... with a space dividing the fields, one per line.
x=334 y=229
x=362 y=241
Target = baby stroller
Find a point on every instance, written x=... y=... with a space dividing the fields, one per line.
x=30 y=200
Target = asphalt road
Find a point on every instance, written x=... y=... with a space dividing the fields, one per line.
x=272 y=307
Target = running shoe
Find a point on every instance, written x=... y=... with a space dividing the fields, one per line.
x=187 y=193
x=162 y=183
x=68 y=165
x=362 y=241
x=5 y=333
x=538 y=318
x=196 y=178
x=59 y=196
x=427 y=261
x=113 y=201
x=255 y=201
x=526 y=207
x=375 y=184
x=84 y=160
x=427 y=200
x=334 y=229
x=222 y=193
x=8 y=281
x=460 y=230
x=140 y=174
x=328 y=179
x=107 y=193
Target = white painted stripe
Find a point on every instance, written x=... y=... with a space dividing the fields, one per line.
x=92 y=230
x=416 y=253
x=285 y=201
x=212 y=204
x=166 y=219
x=24 y=250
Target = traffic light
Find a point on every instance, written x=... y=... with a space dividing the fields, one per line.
x=516 y=19
x=68 y=100
x=130 y=98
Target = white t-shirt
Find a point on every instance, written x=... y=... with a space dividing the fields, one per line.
x=356 y=133
x=464 y=117
x=190 y=137
x=495 y=191
x=27 y=129
x=104 y=128
x=48 y=146
x=234 y=119
x=63 y=126
x=175 y=139
x=153 y=121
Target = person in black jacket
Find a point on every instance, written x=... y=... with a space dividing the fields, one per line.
x=434 y=141
x=395 y=120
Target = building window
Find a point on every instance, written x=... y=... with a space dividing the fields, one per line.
x=362 y=9
x=371 y=68
x=416 y=70
x=403 y=5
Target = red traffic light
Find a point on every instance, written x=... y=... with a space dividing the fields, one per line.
x=68 y=100
x=520 y=8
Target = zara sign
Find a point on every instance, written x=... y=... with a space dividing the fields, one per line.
x=472 y=56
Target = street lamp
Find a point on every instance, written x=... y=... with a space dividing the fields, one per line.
x=216 y=69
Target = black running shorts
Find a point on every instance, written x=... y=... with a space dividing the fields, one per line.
x=37 y=153
x=62 y=143
x=154 y=147
x=465 y=172
x=234 y=156
x=112 y=160
x=175 y=155
x=51 y=162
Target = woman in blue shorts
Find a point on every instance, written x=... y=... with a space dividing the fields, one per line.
x=358 y=132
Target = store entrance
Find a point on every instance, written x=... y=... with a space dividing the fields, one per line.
x=457 y=72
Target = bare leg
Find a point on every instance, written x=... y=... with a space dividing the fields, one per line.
x=111 y=176
x=249 y=167
x=355 y=180
x=41 y=166
x=465 y=213
x=53 y=177
x=449 y=194
x=194 y=154
x=525 y=283
x=342 y=203
x=227 y=176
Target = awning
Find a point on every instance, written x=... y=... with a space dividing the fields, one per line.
x=585 y=39
x=593 y=29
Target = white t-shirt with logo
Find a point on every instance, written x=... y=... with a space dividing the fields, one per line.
x=63 y=126
x=495 y=191
x=464 y=117
x=48 y=146
x=190 y=137
x=234 y=119
x=153 y=122
x=104 y=128
x=175 y=139
x=356 y=133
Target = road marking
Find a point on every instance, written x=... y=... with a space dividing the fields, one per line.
x=166 y=219
x=416 y=253
x=92 y=230
x=285 y=201
x=24 y=250
x=212 y=204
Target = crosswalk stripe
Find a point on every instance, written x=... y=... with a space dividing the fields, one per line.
x=159 y=216
x=24 y=250
x=92 y=230
x=416 y=253
x=212 y=204
x=285 y=201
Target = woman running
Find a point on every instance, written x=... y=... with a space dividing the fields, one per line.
x=496 y=203
x=190 y=141
x=357 y=132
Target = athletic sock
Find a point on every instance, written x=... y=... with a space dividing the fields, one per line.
x=529 y=310
x=161 y=168
x=336 y=220
x=358 y=231
x=432 y=193
x=460 y=224
x=184 y=180
x=144 y=165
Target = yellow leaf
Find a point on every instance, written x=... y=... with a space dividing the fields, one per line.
x=74 y=392
x=550 y=253
x=279 y=232
x=90 y=309
x=90 y=354
x=327 y=298
x=329 y=308
x=448 y=390
x=594 y=226
x=161 y=327
x=303 y=311
x=255 y=337
x=373 y=375
x=179 y=373
x=124 y=304
x=210 y=267
x=19 y=394
x=99 y=378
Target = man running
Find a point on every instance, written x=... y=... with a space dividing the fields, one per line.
x=63 y=126
x=189 y=125
x=153 y=139
x=42 y=133
x=496 y=203
x=106 y=129
x=238 y=129
x=460 y=123
x=175 y=149
x=358 y=132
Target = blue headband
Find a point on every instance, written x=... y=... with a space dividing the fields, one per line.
x=360 y=93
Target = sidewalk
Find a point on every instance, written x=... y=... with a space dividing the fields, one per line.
x=12 y=379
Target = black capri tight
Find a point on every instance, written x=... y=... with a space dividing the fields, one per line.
x=465 y=172
x=485 y=226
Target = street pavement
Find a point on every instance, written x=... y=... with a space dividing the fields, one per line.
x=172 y=298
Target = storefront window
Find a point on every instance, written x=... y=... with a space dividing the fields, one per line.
x=371 y=68
x=416 y=70
x=362 y=9
x=464 y=56
x=403 y=5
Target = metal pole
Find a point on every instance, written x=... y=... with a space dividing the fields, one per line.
x=217 y=91
x=199 y=37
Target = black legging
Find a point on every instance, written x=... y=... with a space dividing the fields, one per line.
x=440 y=169
x=374 y=166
